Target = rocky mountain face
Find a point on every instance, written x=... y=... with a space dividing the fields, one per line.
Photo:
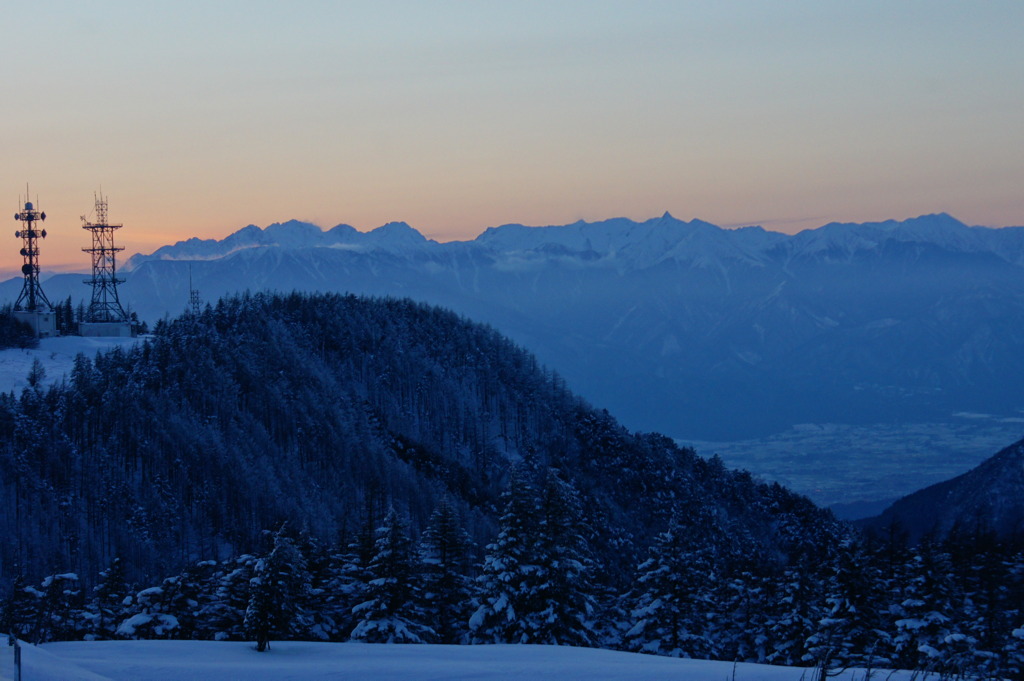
x=680 y=327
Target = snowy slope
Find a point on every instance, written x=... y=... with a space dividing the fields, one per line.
x=57 y=356
x=205 y=660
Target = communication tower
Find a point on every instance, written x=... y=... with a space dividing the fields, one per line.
x=195 y=303
x=105 y=306
x=32 y=298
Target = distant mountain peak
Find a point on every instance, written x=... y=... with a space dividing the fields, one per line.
x=293 y=233
x=248 y=229
x=398 y=229
x=395 y=237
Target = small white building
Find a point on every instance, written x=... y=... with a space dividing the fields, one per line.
x=43 y=323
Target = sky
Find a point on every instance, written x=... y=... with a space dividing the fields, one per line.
x=198 y=118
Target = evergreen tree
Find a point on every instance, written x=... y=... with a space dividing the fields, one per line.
x=188 y=595
x=792 y=616
x=150 y=615
x=224 y=613
x=744 y=631
x=19 y=610
x=850 y=631
x=979 y=572
x=108 y=606
x=446 y=586
x=318 y=608
x=926 y=635
x=564 y=599
x=511 y=576
x=675 y=588
x=70 y=327
x=15 y=333
x=36 y=374
x=60 y=614
x=64 y=318
x=392 y=612
x=344 y=587
x=276 y=587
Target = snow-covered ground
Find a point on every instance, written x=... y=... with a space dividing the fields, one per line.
x=57 y=356
x=207 y=660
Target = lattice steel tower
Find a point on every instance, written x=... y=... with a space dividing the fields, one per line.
x=32 y=298
x=105 y=305
x=195 y=303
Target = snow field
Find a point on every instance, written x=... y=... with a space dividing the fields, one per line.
x=57 y=356
x=301 y=661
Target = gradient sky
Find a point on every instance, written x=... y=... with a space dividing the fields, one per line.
x=197 y=119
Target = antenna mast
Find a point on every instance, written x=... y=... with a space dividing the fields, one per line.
x=105 y=305
x=32 y=298
x=195 y=303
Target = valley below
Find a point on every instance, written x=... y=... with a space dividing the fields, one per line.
x=858 y=470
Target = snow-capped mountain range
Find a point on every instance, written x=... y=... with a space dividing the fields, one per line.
x=630 y=244
x=681 y=327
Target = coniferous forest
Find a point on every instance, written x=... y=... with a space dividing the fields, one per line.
x=341 y=468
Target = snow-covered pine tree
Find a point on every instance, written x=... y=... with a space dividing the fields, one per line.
x=850 y=631
x=792 y=617
x=392 y=612
x=564 y=598
x=60 y=612
x=446 y=586
x=150 y=615
x=317 y=611
x=980 y=570
x=926 y=636
x=511 y=575
x=276 y=587
x=107 y=608
x=224 y=613
x=744 y=627
x=675 y=586
x=188 y=596
x=18 y=612
x=342 y=587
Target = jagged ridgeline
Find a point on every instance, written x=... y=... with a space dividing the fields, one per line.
x=324 y=411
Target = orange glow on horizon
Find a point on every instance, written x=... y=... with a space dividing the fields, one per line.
x=454 y=119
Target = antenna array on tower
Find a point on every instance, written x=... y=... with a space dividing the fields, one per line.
x=32 y=298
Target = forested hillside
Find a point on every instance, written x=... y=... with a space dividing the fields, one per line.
x=323 y=411
x=335 y=467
